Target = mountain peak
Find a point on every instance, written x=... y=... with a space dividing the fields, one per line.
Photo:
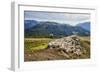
x=44 y=29
x=85 y=25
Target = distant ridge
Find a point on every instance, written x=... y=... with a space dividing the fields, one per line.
x=85 y=25
x=52 y=29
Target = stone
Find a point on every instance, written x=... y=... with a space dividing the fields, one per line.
x=68 y=44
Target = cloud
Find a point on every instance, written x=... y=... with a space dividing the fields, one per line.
x=69 y=18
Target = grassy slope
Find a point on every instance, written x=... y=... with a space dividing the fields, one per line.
x=33 y=44
x=35 y=50
x=85 y=42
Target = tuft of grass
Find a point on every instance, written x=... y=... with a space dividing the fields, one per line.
x=40 y=47
x=36 y=43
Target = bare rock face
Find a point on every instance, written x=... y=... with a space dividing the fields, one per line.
x=67 y=44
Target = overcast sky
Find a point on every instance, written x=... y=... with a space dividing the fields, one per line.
x=68 y=18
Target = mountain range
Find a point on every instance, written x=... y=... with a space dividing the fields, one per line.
x=85 y=25
x=29 y=23
x=40 y=29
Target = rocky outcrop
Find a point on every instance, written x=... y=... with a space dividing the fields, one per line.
x=67 y=44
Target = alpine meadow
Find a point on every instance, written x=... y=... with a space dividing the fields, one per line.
x=56 y=36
